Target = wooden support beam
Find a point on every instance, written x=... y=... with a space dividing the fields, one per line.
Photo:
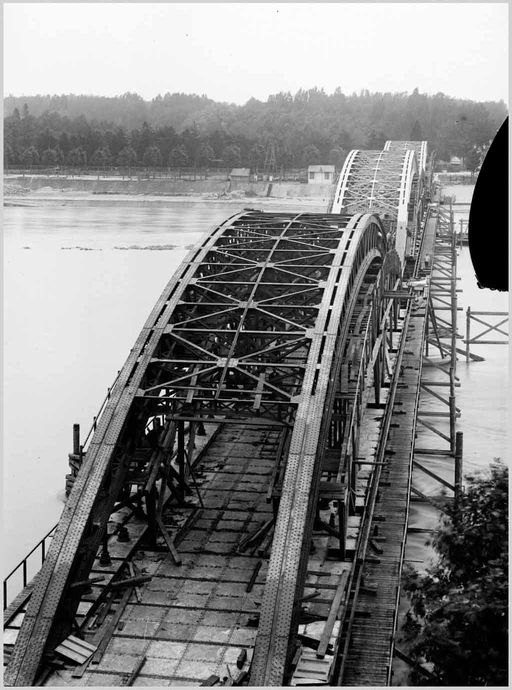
x=151 y=513
x=76 y=439
x=320 y=524
x=86 y=583
x=432 y=451
x=111 y=626
x=137 y=669
x=258 y=533
x=375 y=547
x=254 y=575
x=438 y=383
x=432 y=428
x=458 y=465
x=134 y=572
x=180 y=459
x=435 y=476
x=333 y=613
x=445 y=401
x=469 y=355
x=131 y=581
x=427 y=499
x=433 y=320
x=418 y=667
x=307 y=597
x=311 y=642
x=170 y=543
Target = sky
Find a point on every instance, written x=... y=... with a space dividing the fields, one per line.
x=234 y=51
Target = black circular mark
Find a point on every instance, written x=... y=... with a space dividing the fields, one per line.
x=488 y=218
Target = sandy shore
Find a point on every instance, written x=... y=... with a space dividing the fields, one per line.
x=38 y=190
x=49 y=196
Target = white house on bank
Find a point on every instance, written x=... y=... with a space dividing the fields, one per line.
x=321 y=174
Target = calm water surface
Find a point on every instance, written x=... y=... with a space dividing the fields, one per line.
x=79 y=283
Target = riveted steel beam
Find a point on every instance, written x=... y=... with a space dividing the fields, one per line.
x=233 y=336
x=361 y=249
x=388 y=183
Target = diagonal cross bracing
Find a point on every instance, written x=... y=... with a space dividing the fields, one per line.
x=384 y=182
x=255 y=360
x=357 y=251
x=420 y=147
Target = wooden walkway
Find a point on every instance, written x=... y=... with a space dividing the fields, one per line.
x=370 y=653
x=190 y=621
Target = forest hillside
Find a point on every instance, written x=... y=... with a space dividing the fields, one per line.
x=287 y=131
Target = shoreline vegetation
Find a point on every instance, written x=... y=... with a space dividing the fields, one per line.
x=455 y=631
x=287 y=131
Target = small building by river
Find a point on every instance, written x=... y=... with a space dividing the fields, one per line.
x=321 y=174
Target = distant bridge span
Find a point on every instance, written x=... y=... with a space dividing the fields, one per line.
x=420 y=147
x=388 y=183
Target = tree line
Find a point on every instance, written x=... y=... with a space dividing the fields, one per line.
x=286 y=131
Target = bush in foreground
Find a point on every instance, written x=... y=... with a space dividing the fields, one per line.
x=458 y=620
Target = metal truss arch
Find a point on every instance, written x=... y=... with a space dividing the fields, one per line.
x=384 y=182
x=251 y=327
x=364 y=264
x=420 y=147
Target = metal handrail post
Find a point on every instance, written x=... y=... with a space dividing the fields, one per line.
x=468 y=331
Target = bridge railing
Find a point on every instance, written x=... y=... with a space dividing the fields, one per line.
x=22 y=573
x=96 y=418
x=27 y=568
x=352 y=436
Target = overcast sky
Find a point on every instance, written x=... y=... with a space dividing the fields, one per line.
x=232 y=52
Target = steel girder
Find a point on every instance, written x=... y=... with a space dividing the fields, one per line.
x=422 y=184
x=421 y=148
x=249 y=327
x=360 y=252
x=383 y=182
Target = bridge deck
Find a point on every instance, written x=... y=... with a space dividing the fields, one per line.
x=370 y=654
x=193 y=620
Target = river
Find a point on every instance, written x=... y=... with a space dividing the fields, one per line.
x=80 y=279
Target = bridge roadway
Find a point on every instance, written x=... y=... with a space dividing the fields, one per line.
x=229 y=471
x=368 y=658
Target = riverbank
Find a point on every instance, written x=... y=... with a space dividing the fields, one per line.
x=25 y=187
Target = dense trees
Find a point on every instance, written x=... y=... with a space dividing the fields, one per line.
x=127 y=157
x=152 y=157
x=101 y=157
x=308 y=127
x=178 y=156
x=473 y=159
x=458 y=621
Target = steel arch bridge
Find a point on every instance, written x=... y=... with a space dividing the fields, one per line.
x=263 y=324
x=388 y=183
x=421 y=148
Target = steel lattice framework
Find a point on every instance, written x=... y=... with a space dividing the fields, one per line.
x=384 y=182
x=421 y=148
x=253 y=327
